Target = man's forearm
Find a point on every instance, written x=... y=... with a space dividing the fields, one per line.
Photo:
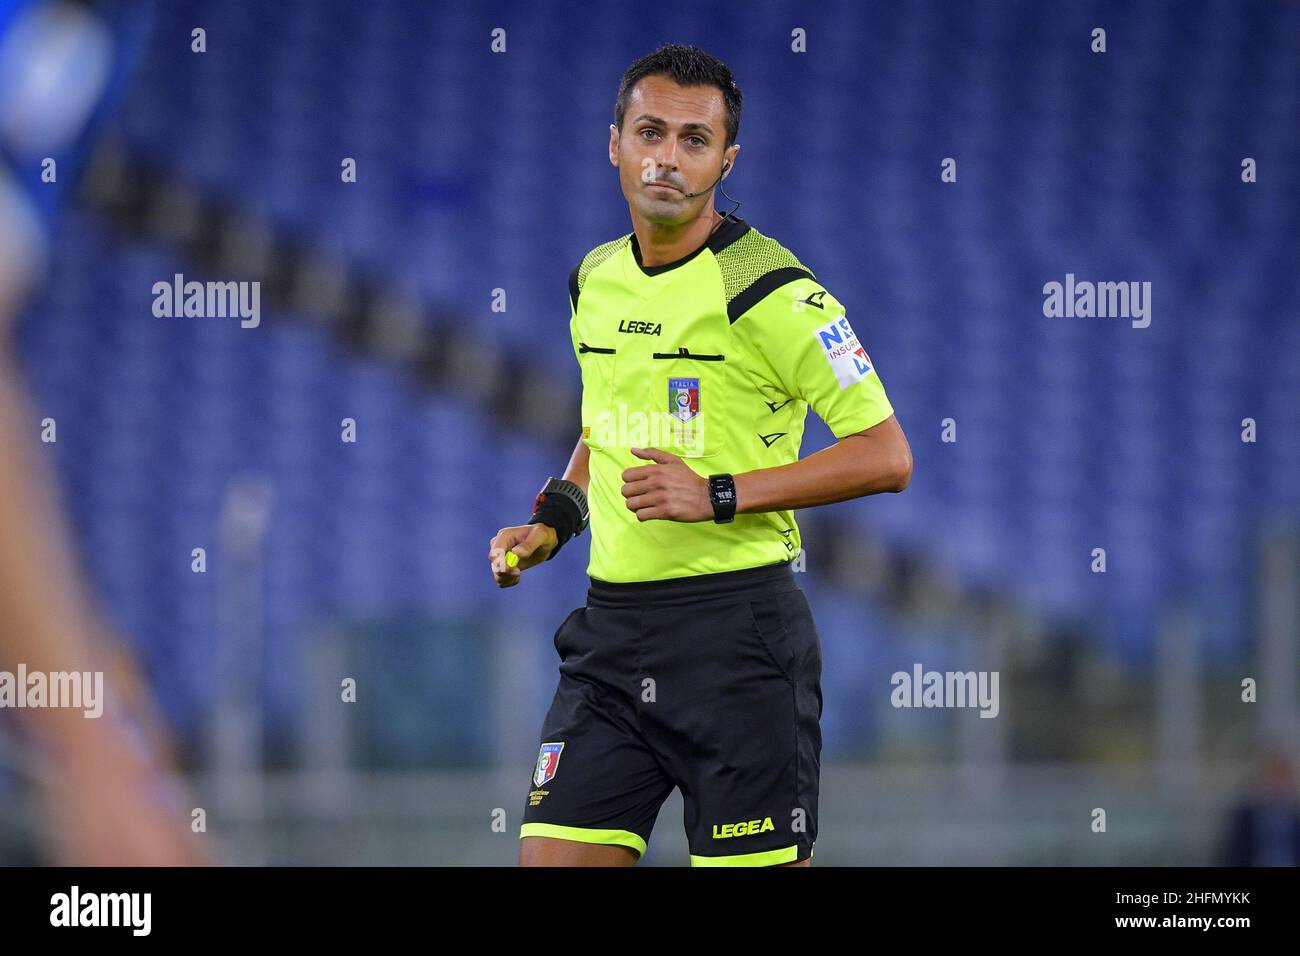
x=867 y=463
x=47 y=621
x=576 y=471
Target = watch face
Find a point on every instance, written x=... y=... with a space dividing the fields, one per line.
x=722 y=492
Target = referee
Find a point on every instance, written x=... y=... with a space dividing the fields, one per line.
x=695 y=662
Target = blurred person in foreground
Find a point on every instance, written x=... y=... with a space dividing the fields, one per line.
x=108 y=795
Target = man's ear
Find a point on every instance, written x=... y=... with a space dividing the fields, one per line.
x=613 y=144
x=729 y=157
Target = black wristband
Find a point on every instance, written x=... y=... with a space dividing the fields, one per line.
x=722 y=493
x=562 y=505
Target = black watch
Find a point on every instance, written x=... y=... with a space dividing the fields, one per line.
x=562 y=505
x=722 y=492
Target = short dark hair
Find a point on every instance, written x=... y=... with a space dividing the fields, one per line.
x=685 y=66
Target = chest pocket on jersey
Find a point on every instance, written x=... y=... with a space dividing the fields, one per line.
x=686 y=392
x=597 y=363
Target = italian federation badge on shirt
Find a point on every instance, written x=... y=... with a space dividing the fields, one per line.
x=849 y=360
x=548 y=761
x=684 y=398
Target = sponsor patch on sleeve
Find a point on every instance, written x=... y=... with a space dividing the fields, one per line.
x=848 y=359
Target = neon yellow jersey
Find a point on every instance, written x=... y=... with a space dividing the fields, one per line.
x=716 y=358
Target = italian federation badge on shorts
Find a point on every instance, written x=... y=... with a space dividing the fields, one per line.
x=684 y=398
x=548 y=761
x=849 y=360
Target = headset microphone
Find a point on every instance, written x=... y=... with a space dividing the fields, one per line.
x=725 y=167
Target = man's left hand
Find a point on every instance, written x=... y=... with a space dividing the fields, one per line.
x=666 y=488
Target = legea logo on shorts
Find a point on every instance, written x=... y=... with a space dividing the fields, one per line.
x=743 y=828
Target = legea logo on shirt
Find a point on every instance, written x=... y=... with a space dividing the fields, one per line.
x=848 y=359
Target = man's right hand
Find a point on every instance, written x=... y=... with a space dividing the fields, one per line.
x=533 y=543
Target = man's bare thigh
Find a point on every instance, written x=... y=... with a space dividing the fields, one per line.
x=546 y=851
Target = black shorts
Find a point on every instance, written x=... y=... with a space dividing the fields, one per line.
x=709 y=683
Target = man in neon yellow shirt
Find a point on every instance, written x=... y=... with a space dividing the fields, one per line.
x=695 y=662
